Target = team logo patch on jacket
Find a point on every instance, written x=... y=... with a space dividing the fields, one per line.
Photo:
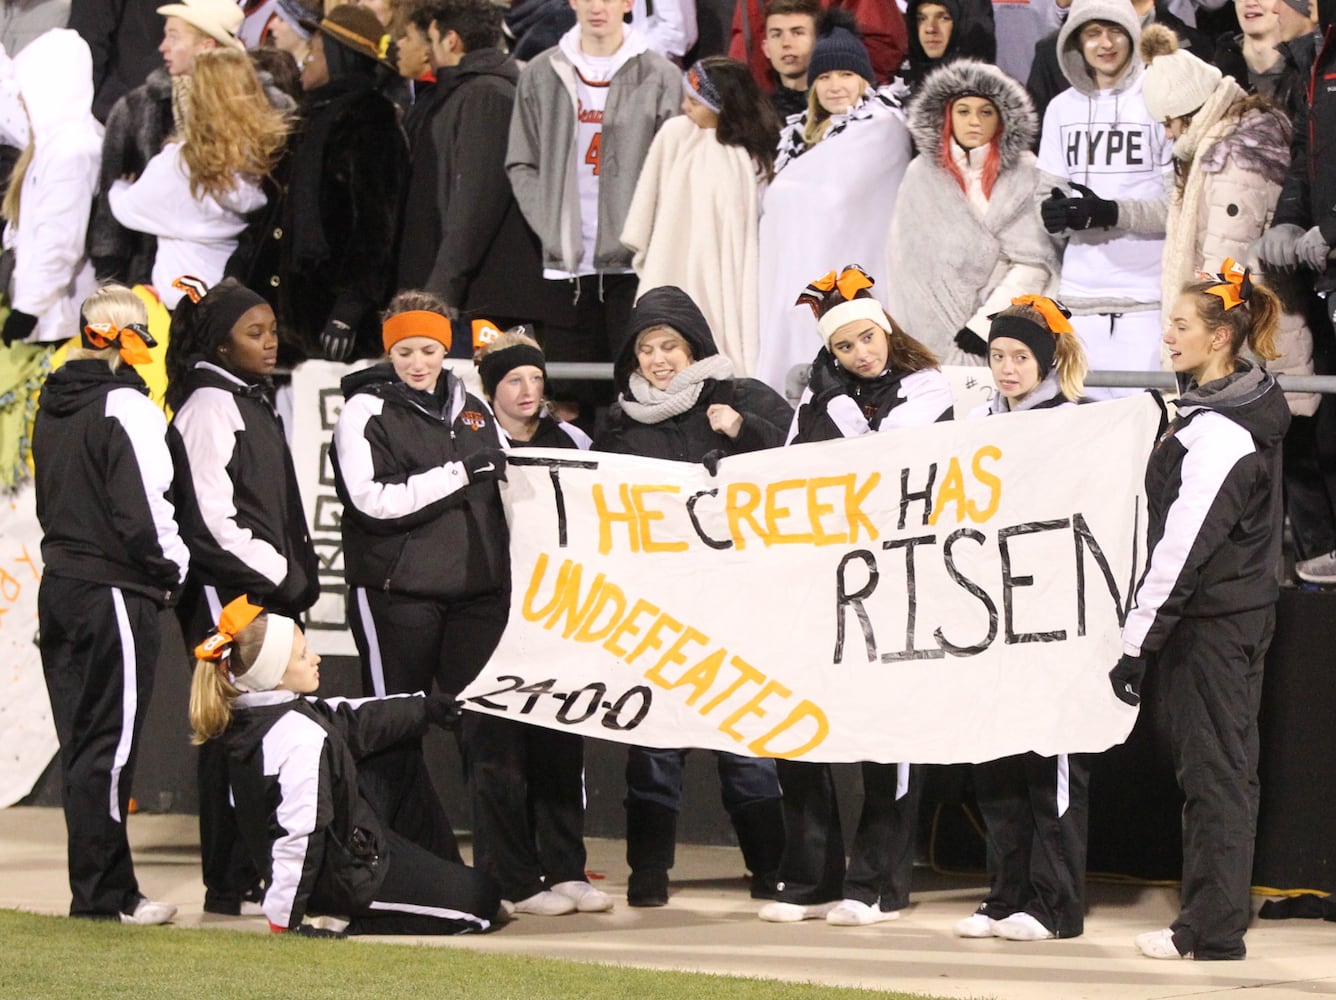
x=474 y=419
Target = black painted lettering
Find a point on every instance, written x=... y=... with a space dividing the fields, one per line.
x=907 y=497
x=1085 y=539
x=911 y=615
x=855 y=600
x=1011 y=582
x=713 y=543
x=971 y=587
x=554 y=465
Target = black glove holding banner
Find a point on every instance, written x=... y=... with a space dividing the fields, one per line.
x=1126 y=678
x=971 y=343
x=17 y=326
x=443 y=711
x=485 y=465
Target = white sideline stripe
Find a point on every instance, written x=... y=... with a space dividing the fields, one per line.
x=129 y=701
x=1064 y=780
x=440 y=912
x=376 y=667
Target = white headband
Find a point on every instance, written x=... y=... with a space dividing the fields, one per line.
x=275 y=654
x=846 y=312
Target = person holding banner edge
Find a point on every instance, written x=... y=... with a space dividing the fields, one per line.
x=1204 y=610
x=527 y=782
x=678 y=400
x=1036 y=809
x=869 y=377
x=416 y=463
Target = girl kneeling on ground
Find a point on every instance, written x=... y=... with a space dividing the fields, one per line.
x=315 y=838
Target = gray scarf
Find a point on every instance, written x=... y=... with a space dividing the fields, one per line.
x=654 y=406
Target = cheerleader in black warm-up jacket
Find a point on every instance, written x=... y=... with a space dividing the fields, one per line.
x=112 y=558
x=425 y=544
x=527 y=782
x=870 y=377
x=316 y=838
x=1035 y=808
x=1205 y=608
x=240 y=513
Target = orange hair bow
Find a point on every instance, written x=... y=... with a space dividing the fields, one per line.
x=1055 y=314
x=192 y=287
x=852 y=280
x=1235 y=286
x=236 y=616
x=134 y=340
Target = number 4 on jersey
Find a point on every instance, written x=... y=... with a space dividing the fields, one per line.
x=592 y=153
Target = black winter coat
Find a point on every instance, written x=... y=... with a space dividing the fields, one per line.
x=922 y=398
x=689 y=437
x=123 y=36
x=413 y=524
x=247 y=532
x=463 y=236
x=339 y=215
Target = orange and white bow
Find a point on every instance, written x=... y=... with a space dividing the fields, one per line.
x=1235 y=287
x=236 y=616
x=134 y=340
x=849 y=282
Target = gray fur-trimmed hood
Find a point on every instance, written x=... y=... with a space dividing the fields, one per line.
x=927 y=112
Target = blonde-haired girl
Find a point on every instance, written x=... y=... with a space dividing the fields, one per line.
x=294 y=763
x=1035 y=355
x=195 y=195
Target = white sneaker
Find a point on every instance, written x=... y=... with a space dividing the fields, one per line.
x=326 y=922
x=1021 y=927
x=776 y=912
x=976 y=925
x=546 y=904
x=1319 y=569
x=586 y=898
x=852 y=913
x=1158 y=944
x=147 y=913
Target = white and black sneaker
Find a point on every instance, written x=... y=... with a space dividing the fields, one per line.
x=147 y=913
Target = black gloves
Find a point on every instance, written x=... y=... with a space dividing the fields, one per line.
x=17 y=326
x=1060 y=212
x=443 y=711
x=485 y=465
x=711 y=460
x=971 y=343
x=336 y=340
x=1126 y=678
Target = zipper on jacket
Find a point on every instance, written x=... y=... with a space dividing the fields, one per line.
x=389 y=576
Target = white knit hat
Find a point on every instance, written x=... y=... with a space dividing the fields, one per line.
x=1177 y=83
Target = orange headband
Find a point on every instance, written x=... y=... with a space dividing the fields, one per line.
x=1057 y=319
x=416 y=323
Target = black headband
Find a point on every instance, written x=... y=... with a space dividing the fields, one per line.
x=225 y=305
x=495 y=365
x=1042 y=341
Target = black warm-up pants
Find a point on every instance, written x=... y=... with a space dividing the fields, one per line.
x=881 y=864
x=405 y=644
x=1210 y=680
x=527 y=788
x=99 y=648
x=1037 y=812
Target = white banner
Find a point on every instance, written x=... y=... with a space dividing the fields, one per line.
x=30 y=740
x=951 y=593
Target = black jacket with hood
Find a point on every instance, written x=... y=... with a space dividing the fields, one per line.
x=413 y=524
x=236 y=493
x=104 y=479
x=688 y=437
x=1213 y=489
x=463 y=236
x=972 y=36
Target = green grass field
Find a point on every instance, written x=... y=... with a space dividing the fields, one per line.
x=51 y=958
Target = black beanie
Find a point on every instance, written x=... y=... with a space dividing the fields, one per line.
x=496 y=365
x=1042 y=342
x=840 y=49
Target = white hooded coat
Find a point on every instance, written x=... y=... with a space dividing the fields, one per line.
x=52 y=276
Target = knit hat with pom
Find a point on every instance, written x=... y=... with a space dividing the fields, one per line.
x=839 y=47
x=1177 y=82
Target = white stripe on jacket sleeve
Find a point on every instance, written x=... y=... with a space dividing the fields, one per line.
x=385 y=501
x=292 y=750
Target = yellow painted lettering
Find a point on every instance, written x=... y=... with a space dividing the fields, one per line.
x=816 y=510
x=647 y=516
x=702 y=675
x=609 y=596
x=774 y=514
x=989 y=479
x=628 y=626
x=952 y=491
x=746 y=674
x=853 y=506
x=743 y=499
x=675 y=655
x=651 y=639
x=763 y=746
x=607 y=518
x=752 y=706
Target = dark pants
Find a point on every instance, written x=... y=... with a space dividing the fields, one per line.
x=594 y=331
x=1310 y=455
x=405 y=644
x=881 y=865
x=1210 y=677
x=426 y=894
x=229 y=873
x=99 y=647
x=527 y=788
x=1037 y=811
